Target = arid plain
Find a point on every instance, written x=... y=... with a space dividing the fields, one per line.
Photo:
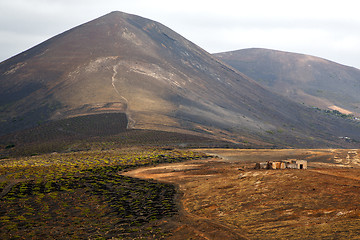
x=125 y=95
x=225 y=198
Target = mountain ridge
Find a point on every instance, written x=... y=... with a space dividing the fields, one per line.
x=121 y=63
x=304 y=78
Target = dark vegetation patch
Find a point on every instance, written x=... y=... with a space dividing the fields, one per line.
x=26 y=118
x=73 y=128
x=92 y=132
x=83 y=196
x=337 y=114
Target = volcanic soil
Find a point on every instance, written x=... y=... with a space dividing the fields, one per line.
x=225 y=198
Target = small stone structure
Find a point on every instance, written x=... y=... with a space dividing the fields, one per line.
x=292 y=163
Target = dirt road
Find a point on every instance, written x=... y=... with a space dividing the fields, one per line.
x=227 y=199
x=188 y=225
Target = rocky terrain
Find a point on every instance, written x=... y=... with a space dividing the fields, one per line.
x=100 y=130
x=122 y=63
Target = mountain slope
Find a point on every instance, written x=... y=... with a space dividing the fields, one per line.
x=128 y=64
x=305 y=79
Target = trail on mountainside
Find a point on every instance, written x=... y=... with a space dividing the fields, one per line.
x=131 y=122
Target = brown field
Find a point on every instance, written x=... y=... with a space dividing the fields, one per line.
x=225 y=198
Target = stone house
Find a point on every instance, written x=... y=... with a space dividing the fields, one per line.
x=293 y=164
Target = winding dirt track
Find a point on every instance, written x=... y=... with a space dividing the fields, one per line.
x=225 y=198
x=187 y=225
x=131 y=122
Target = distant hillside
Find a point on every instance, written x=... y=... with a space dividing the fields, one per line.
x=303 y=78
x=122 y=63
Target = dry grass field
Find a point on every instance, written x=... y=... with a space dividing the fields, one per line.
x=178 y=194
x=225 y=198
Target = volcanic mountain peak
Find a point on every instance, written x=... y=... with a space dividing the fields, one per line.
x=129 y=64
x=118 y=62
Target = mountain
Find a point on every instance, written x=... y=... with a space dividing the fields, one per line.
x=122 y=63
x=303 y=78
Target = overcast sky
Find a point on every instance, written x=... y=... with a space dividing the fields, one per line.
x=323 y=28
